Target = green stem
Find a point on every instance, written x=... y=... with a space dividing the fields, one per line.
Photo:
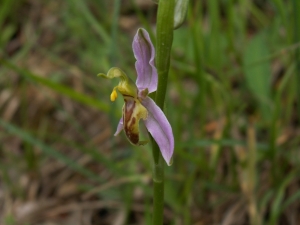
x=158 y=186
x=164 y=39
x=296 y=6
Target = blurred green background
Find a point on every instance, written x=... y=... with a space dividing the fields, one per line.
x=232 y=102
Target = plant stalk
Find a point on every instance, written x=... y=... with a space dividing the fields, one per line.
x=164 y=39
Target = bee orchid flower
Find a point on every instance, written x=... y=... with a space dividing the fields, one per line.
x=137 y=104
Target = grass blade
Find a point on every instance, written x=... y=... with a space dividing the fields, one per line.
x=79 y=97
x=258 y=75
x=26 y=136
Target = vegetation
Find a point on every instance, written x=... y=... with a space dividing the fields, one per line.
x=232 y=100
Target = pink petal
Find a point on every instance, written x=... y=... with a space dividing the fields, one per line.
x=144 y=53
x=160 y=129
x=120 y=127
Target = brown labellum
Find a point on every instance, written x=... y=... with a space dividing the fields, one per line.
x=133 y=111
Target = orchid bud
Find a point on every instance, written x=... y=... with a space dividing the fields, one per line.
x=180 y=12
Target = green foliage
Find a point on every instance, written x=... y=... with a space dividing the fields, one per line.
x=24 y=135
x=258 y=74
x=232 y=88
